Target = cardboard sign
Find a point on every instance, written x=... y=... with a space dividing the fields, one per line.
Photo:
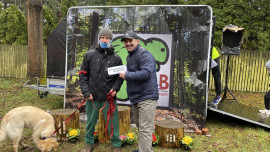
x=117 y=69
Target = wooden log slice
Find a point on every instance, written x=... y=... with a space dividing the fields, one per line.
x=124 y=124
x=170 y=133
x=60 y=116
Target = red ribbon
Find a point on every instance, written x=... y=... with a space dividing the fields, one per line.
x=100 y=108
x=82 y=72
x=110 y=112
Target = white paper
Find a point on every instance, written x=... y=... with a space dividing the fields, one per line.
x=117 y=69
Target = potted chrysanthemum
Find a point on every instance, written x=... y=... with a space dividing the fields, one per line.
x=187 y=143
x=123 y=140
x=73 y=134
x=155 y=139
x=131 y=138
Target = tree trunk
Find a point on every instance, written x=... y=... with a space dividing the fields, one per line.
x=124 y=124
x=60 y=116
x=102 y=137
x=170 y=133
x=124 y=119
x=35 y=45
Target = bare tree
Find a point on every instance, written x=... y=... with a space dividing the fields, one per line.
x=35 y=44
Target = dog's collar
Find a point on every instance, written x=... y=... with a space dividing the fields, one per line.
x=46 y=137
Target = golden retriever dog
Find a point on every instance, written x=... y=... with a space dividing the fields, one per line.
x=40 y=121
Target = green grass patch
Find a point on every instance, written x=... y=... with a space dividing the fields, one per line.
x=227 y=134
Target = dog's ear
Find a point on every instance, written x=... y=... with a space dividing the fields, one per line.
x=41 y=145
x=56 y=144
x=48 y=144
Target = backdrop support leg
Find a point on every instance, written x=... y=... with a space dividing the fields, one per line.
x=226 y=83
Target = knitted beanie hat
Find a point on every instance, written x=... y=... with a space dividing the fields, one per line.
x=105 y=32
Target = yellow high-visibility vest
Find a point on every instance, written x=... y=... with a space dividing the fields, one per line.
x=215 y=53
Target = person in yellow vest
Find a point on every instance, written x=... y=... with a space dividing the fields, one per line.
x=217 y=76
x=267 y=95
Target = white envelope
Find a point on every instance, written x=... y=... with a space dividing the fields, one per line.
x=117 y=69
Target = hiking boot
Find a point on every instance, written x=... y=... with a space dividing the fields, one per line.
x=88 y=148
x=216 y=100
x=135 y=151
x=264 y=111
x=116 y=149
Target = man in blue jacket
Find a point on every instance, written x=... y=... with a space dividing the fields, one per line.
x=142 y=88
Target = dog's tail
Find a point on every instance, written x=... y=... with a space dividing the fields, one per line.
x=3 y=136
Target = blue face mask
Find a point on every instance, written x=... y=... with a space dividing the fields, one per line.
x=105 y=45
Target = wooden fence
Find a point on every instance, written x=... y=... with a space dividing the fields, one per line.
x=13 y=61
x=247 y=71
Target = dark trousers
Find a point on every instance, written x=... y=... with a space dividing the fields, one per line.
x=217 y=77
x=267 y=100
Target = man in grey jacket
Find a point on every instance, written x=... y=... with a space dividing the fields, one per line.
x=142 y=88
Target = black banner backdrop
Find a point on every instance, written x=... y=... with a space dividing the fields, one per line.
x=178 y=37
x=56 y=51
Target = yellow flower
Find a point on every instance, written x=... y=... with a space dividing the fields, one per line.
x=130 y=135
x=73 y=132
x=187 y=140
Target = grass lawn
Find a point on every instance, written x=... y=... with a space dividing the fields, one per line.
x=227 y=134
